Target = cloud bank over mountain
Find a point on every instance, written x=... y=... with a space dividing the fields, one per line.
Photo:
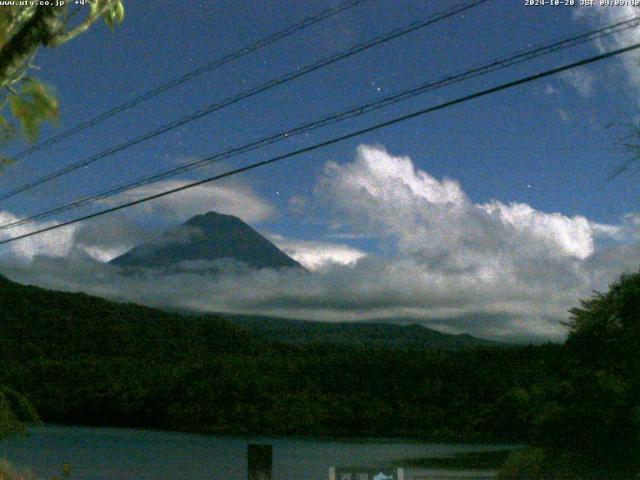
x=496 y=269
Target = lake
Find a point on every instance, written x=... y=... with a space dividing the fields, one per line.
x=109 y=453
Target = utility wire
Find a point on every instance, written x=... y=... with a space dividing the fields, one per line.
x=396 y=120
x=521 y=57
x=247 y=94
x=149 y=94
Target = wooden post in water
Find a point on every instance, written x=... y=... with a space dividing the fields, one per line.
x=259 y=461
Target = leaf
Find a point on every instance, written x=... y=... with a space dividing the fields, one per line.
x=108 y=19
x=43 y=99
x=5 y=21
x=119 y=12
x=32 y=106
x=7 y=132
x=114 y=14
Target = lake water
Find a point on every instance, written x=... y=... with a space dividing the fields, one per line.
x=108 y=453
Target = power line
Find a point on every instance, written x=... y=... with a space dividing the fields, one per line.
x=522 y=56
x=149 y=94
x=247 y=94
x=334 y=140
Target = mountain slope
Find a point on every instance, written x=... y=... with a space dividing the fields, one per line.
x=208 y=237
x=86 y=360
x=370 y=334
x=60 y=323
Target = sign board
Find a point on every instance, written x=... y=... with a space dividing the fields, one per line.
x=260 y=461
x=367 y=473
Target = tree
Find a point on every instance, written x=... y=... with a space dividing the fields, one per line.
x=609 y=324
x=24 y=29
x=15 y=410
x=604 y=340
x=590 y=425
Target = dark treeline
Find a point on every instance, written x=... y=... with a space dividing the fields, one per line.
x=84 y=360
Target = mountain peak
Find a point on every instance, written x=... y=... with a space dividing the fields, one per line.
x=215 y=219
x=211 y=215
x=210 y=236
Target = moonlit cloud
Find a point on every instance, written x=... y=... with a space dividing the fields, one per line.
x=315 y=255
x=498 y=270
x=581 y=79
x=55 y=243
x=603 y=15
x=107 y=237
x=386 y=194
x=227 y=198
x=568 y=236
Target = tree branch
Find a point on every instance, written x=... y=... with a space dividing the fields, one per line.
x=16 y=53
x=61 y=38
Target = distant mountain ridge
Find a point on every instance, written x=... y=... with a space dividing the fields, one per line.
x=55 y=322
x=208 y=237
x=369 y=334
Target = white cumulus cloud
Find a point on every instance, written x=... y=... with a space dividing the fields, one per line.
x=314 y=255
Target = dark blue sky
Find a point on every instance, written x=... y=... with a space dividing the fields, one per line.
x=546 y=144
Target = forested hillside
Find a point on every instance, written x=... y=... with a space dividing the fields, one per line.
x=85 y=360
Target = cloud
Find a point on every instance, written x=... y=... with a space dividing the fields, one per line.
x=315 y=255
x=581 y=79
x=572 y=236
x=372 y=289
x=498 y=270
x=603 y=15
x=435 y=219
x=229 y=198
x=107 y=237
x=54 y=243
